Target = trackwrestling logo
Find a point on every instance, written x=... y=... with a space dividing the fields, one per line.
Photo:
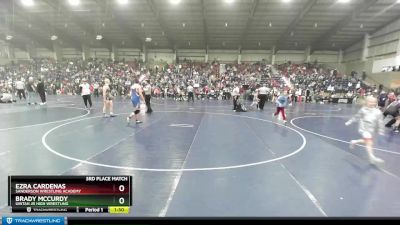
x=33 y=220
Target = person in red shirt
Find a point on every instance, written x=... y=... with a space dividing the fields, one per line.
x=362 y=92
x=206 y=89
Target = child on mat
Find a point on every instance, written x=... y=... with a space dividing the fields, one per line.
x=107 y=98
x=255 y=100
x=281 y=103
x=369 y=119
x=136 y=99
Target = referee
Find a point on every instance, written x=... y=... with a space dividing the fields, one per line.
x=262 y=95
x=147 y=96
x=190 y=92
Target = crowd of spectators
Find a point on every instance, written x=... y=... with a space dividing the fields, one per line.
x=214 y=80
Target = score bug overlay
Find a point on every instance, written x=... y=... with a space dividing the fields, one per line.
x=86 y=194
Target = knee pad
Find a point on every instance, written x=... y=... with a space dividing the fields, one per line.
x=137 y=111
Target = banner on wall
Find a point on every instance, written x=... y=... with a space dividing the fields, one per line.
x=383 y=65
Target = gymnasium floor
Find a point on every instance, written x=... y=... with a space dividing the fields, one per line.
x=202 y=159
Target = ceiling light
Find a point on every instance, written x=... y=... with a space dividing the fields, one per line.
x=174 y=2
x=226 y=24
x=343 y=1
x=27 y=2
x=286 y=1
x=229 y=1
x=99 y=37
x=148 y=39
x=270 y=24
x=9 y=37
x=53 y=37
x=183 y=24
x=122 y=2
x=315 y=25
x=74 y=2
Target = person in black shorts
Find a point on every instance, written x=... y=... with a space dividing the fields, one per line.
x=41 y=91
x=382 y=100
x=393 y=109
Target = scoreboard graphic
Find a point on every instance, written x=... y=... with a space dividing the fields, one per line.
x=75 y=194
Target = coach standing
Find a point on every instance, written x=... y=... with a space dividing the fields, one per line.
x=235 y=96
x=41 y=90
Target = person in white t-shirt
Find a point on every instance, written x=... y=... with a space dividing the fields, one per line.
x=262 y=95
x=190 y=92
x=370 y=122
x=31 y=88
x=20 y=86
x=235 y=96
x=85 y=92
